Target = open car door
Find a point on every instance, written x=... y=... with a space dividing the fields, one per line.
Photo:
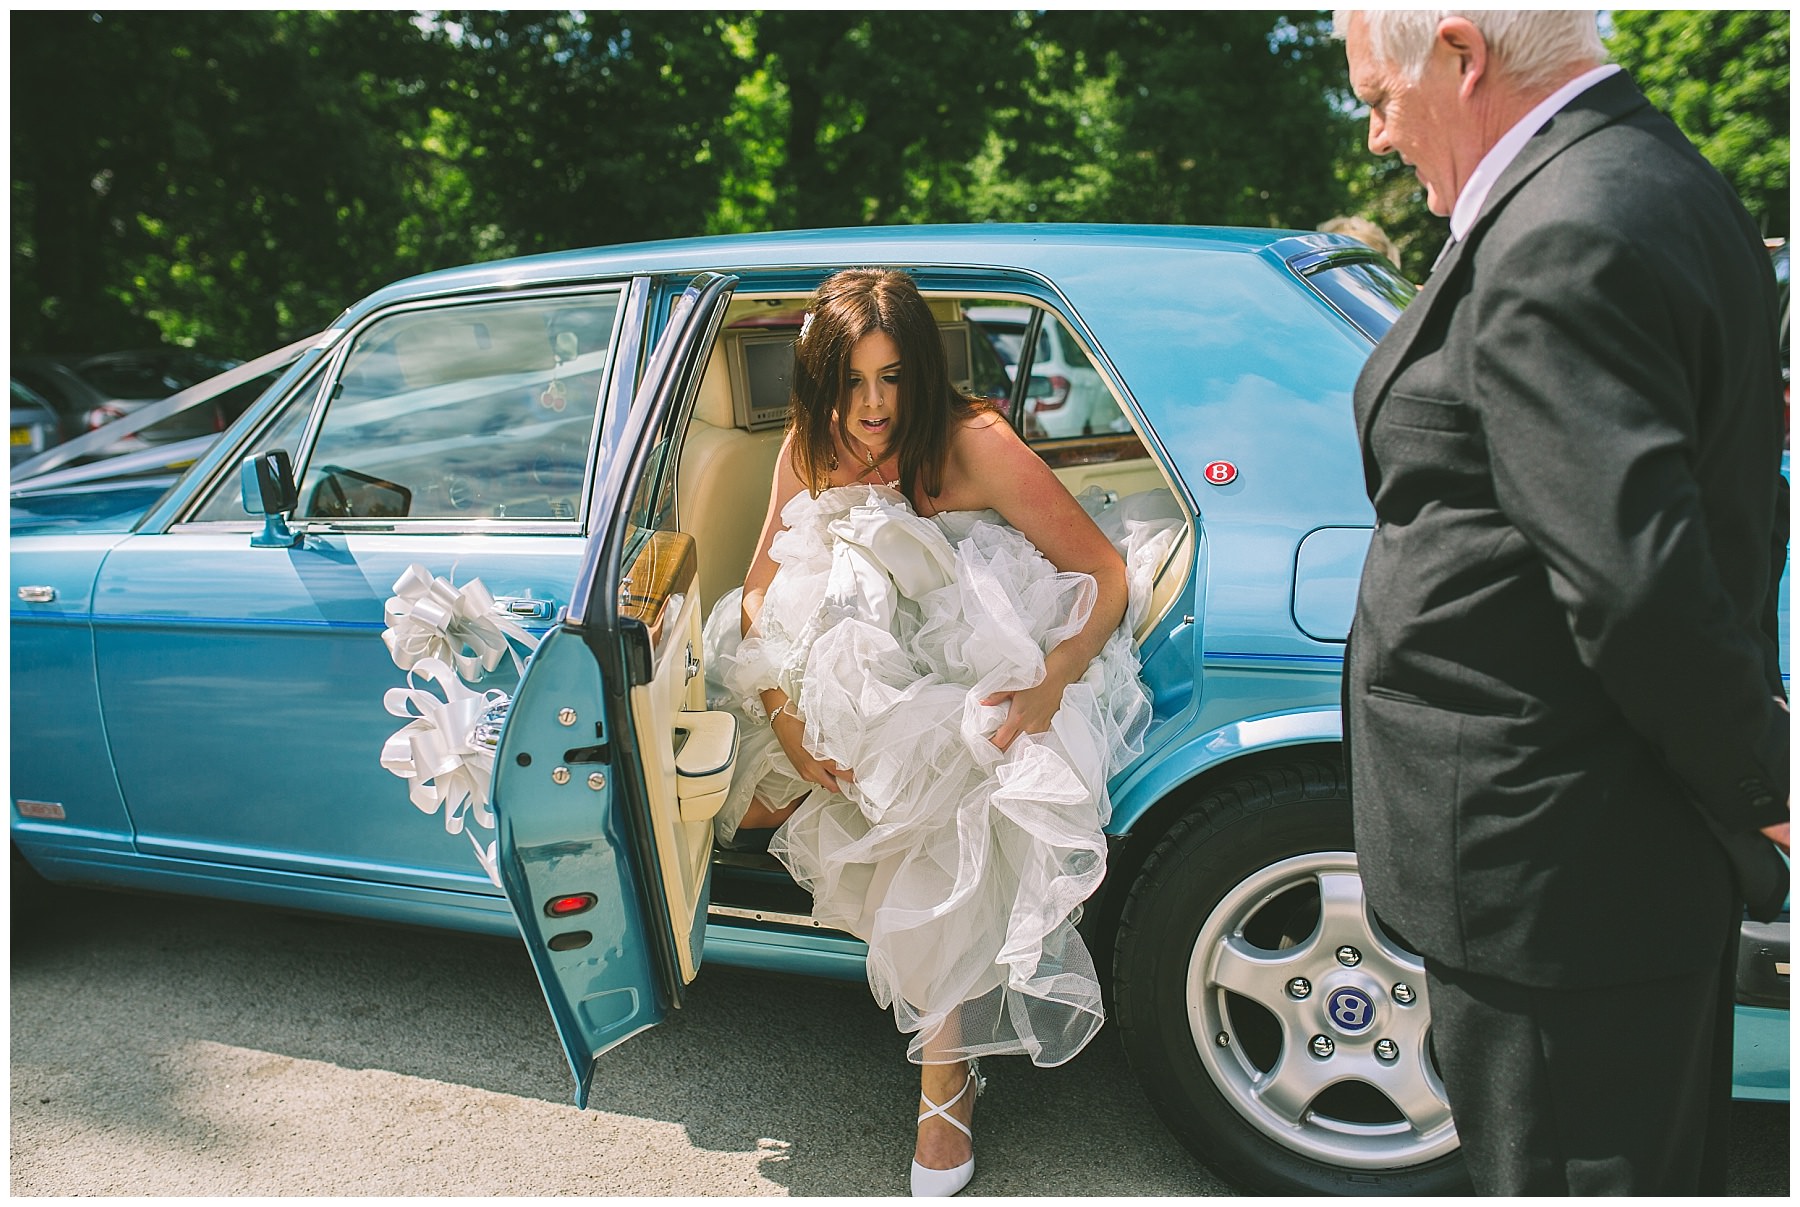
x=608 y=770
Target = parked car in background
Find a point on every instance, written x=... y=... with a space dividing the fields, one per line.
x=201 y=688
x=1077 y=402
x=91 y=391
x=35 y=425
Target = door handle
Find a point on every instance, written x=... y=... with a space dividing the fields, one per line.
x=524 y=605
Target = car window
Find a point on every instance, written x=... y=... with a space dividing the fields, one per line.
x=475 y=411
x=1072 y=352
x=1065 y=397
x=988 y=377
x=23 y=394
x=1005 y=339
x=225 y=498
x=1370 y=293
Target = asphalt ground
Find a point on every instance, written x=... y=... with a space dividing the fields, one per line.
x=170 y=1047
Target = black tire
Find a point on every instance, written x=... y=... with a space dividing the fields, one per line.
x=1254 y=887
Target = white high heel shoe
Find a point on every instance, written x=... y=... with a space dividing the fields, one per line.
x=928 y=1183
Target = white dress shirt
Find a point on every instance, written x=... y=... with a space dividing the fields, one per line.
x=1501 y=154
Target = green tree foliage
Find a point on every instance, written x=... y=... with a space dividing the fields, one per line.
x=876 y=115
x=1723 y=77
x=582 y=129
x=229 y=180
x=216 y=179
x=1188 y=117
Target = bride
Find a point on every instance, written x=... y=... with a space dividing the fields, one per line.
x=934 y=685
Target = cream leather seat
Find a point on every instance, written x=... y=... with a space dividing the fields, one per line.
x=723 y=488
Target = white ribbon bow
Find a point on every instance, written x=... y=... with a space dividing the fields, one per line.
x=436 y=750
x=428 y=618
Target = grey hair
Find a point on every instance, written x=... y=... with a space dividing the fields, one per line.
x=1531 y=47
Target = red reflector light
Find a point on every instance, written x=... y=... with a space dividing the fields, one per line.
x=574 y=903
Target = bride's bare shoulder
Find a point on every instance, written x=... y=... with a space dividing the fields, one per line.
x=984 y=437
x=989 y=466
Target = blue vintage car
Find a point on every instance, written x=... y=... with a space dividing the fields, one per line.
x=201 y=685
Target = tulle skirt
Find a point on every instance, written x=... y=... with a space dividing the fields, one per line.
x=962 y=867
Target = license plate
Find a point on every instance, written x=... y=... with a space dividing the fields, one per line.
x=21 y=435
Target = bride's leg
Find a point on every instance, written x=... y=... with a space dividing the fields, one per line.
x=941 y=1145
x=760 y=817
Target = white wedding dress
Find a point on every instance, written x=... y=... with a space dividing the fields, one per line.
x=962 y=867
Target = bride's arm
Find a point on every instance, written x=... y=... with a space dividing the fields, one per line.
x=1016 y=483
x=784 y=716
x=785 y=486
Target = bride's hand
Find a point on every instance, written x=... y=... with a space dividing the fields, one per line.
x=1032 y=708
x=1031 y=711
x=790 y=731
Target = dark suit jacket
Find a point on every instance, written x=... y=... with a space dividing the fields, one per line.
x=1559 y=684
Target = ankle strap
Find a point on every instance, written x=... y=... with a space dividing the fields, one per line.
x=942 y=1111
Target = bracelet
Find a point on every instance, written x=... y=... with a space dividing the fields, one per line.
x=790 y=710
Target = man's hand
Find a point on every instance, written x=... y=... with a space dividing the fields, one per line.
x=1778 y=834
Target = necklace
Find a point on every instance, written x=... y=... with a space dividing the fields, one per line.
x=873 y=462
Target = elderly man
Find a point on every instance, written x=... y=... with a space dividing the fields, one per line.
x=1567 y=728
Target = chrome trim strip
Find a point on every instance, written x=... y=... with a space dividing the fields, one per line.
x=769 y=915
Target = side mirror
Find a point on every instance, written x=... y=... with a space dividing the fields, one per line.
x=269 y=491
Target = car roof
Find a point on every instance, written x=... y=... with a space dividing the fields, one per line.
x=999 y=245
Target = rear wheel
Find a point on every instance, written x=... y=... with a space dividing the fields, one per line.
x=1279 y=1031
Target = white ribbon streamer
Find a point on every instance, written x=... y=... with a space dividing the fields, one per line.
x=428 y=618
x=485 y=857
x=437 y=752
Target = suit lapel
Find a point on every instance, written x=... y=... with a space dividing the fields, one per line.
x=1391 y=352
x=1601 y=105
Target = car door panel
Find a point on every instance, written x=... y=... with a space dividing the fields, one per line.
x=671 y=708
x=71 y=795
x=243 y=687
x=562 y=839
x=581 y=902
x=243 y=691
x=588 y=774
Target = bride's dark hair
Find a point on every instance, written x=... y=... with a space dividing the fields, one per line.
x=848 y=306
